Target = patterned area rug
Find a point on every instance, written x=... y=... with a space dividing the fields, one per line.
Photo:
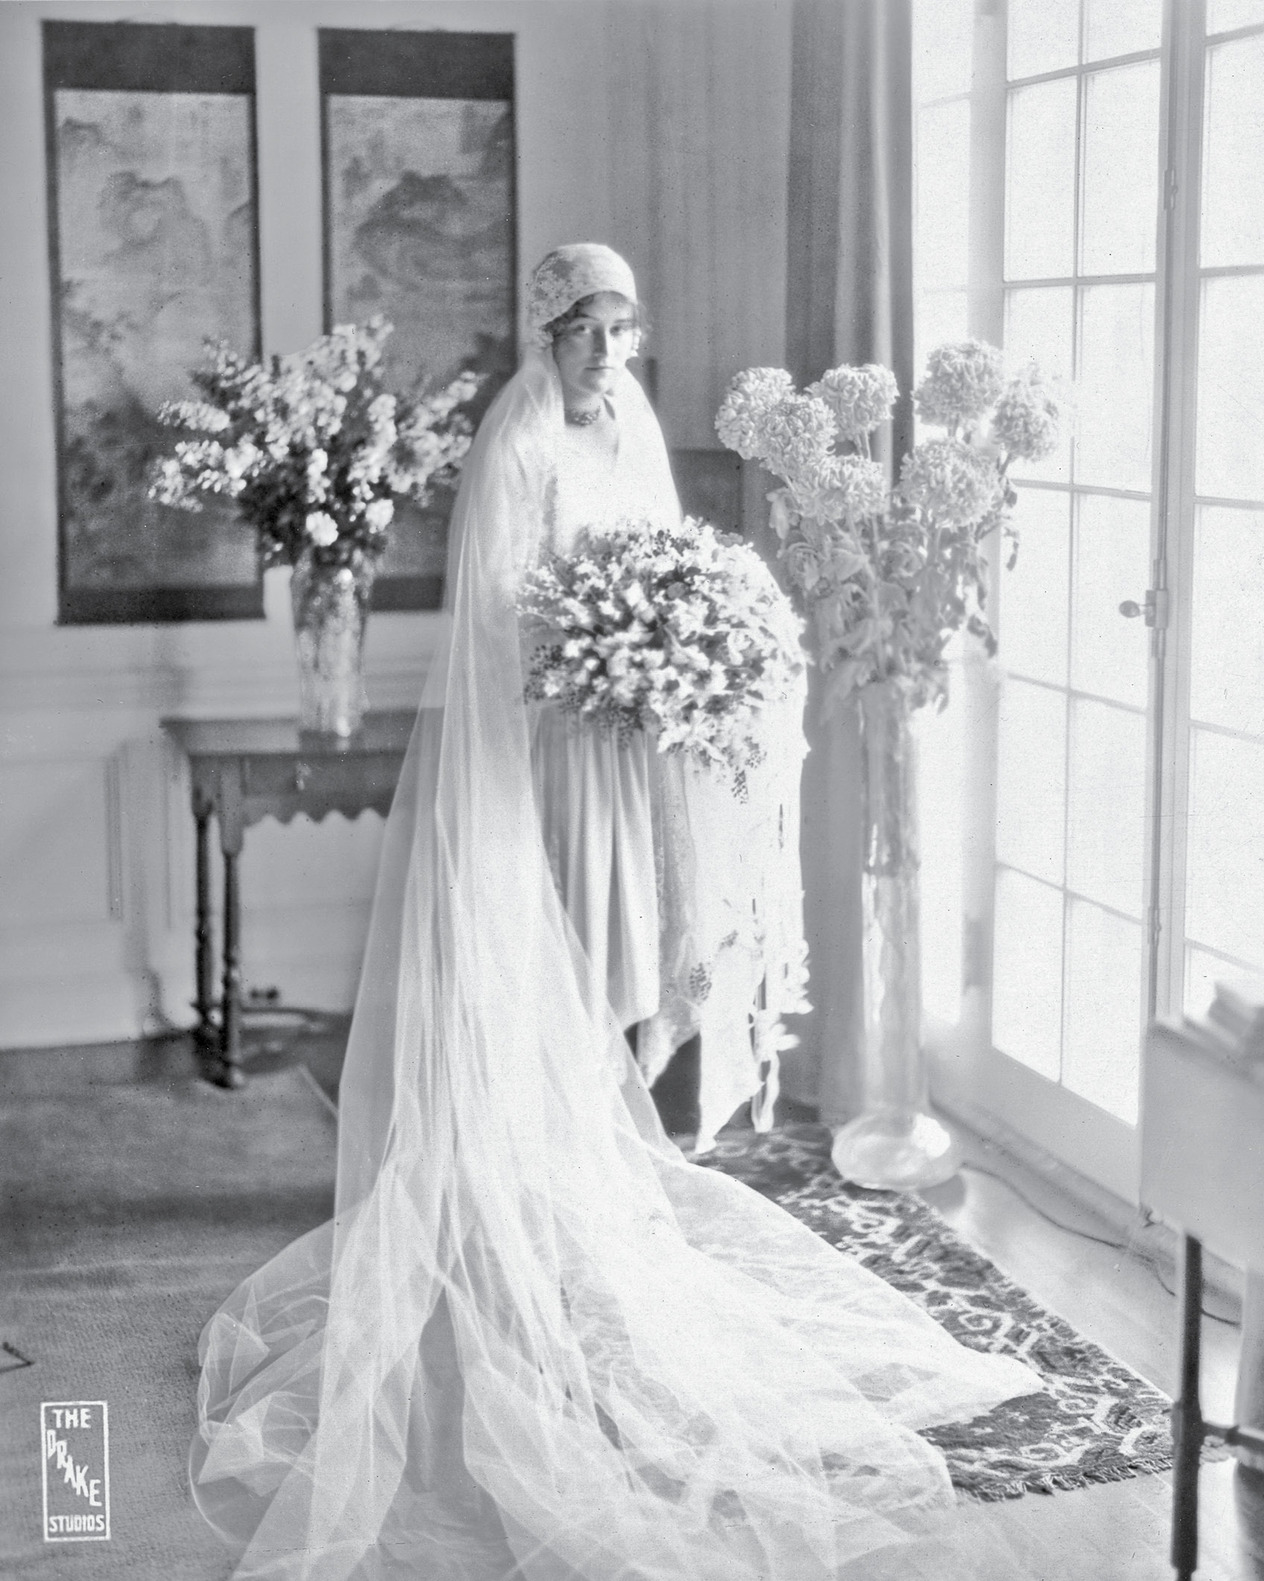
x=1099 y=1422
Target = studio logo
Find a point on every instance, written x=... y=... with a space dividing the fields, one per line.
x=75 y=1437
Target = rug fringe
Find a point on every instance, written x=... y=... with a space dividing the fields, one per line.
x=1069 y=1481
x=1066 y=1481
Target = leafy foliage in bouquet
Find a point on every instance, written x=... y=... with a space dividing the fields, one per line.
x=685 y=633
x=887 y=575
x=311 y=446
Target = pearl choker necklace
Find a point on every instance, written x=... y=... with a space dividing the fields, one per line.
x=582 y=419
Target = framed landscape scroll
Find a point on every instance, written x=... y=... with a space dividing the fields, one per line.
x=153 y=246
x=418 y=132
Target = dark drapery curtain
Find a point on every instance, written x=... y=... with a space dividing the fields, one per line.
x=849 y=298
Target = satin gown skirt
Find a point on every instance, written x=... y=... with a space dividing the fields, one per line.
x=593 y=795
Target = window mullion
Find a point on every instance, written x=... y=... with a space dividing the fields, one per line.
x=1176 y=364
x=989 y=114
x=985 y=307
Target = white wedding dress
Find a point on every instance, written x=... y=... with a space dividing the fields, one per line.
x=535 y=1343
x=685 y=902
x=594 y=792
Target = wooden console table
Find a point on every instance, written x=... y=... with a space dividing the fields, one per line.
x=244 y=770
x=1202 y=1170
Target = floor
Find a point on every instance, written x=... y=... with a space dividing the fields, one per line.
x=1123 y=1299
x=1110 y=1287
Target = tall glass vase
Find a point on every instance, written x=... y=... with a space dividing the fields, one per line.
x=331 y=607
x=895 y=1143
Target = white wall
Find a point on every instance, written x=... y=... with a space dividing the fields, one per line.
x=660 y=128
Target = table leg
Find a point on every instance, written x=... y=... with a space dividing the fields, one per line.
x=231 y=836
x=204 y=956
x=230 y=1013
x=1187 y=1415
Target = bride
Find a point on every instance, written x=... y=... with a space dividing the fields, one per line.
x=535 y=1343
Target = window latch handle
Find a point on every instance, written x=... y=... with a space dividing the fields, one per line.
x=1154 y=609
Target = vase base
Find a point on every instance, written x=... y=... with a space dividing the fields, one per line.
x=896 y=1150
x=330 y=738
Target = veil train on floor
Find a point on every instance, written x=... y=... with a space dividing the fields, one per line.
x=535 y=1343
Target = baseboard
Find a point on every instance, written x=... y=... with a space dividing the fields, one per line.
x=57 y=1011
x=77 y=1008
x=1134 y=1225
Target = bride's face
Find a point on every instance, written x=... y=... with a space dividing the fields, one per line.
x=592 y=347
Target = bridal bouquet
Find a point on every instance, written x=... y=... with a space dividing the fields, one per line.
x=887 y=575
x=683 y=632
x=311 y=446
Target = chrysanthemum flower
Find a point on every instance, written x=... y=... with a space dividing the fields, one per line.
x=1027 y=418
x=840 y=488
x=963 y=380
x=751 y=395
x=860 y=398
x=798 y=435
x=950 y=481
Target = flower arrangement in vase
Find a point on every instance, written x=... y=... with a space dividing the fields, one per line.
x=315 y=452
x=886 y=575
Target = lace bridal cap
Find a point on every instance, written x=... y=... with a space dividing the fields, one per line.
x=566 y=276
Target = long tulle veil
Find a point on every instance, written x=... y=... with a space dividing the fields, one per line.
x=534 y=1341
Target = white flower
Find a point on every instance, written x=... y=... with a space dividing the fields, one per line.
x=242 y=460
x=860 y=398
x=951 y=481
x=382 y=412
x=963 y=379
x=380 y=514
x=1027 y=417
x=202 y=462
x=841 y=488
x=751 y=395
x=169 y=485
x=462 y=389
x=321 y=528
x=797 y=435
x=199 y=416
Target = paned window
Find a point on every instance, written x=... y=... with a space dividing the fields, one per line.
x=1106 y=220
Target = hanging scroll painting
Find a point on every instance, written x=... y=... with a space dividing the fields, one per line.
x=420 y=227
x=150 y=134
